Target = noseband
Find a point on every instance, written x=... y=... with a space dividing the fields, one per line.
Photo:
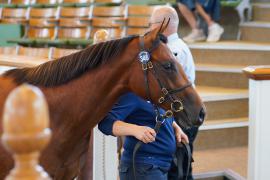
x=167 y=95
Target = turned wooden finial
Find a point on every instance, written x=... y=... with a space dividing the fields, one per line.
x=26 y=132
x=101 y=36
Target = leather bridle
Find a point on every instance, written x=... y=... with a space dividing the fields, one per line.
x=167 y=95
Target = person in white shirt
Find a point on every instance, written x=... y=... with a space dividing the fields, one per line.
x=182 y=54
x=176 y=45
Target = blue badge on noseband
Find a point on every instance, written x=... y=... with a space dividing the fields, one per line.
x=144 y=57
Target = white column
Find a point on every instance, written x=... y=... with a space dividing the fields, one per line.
x=259 y=130
x=105 y=160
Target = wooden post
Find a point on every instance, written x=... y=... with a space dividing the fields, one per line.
x=259 y=122
x=26 y=132
x=101 y=36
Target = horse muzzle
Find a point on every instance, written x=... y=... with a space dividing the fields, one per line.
x=201 y=117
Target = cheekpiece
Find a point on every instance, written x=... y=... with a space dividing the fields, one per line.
x=144 y=57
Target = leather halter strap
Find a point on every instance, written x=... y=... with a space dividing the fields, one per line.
x=177 y=90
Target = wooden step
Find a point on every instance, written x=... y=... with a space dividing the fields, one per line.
x=226 y=174
x=220 y=76
x=255 y=31
x=261 y=12
x=230 y=134
x=234 y=53
x=223 y=109
x=218 y=93
x=224 y=103
x=225 y=123
x=219 y=68
x=234 y=158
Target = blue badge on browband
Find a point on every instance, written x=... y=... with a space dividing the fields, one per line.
x=144 y=57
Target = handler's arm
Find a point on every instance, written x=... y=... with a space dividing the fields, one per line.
x=143 y=133
x=113 y=123
x=121 y=110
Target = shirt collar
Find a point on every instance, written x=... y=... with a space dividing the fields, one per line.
x=172 y=37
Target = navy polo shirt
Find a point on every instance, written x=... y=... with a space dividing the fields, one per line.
x=132 y=109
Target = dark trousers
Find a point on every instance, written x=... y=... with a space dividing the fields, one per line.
x=211 y=7
x=143 y=172
x=173 y=173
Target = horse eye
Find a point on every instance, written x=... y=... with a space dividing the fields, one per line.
x=168 y=66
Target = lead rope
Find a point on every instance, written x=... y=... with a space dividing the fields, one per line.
x=179 y=156
x=139 y=144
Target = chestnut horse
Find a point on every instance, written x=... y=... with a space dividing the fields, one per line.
x=81 y=88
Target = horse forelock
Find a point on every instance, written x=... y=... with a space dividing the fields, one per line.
x=66 y=68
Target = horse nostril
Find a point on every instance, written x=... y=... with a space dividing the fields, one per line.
x=201 y=116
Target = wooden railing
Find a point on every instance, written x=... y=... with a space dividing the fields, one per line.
x=259 y=122
x=26 y=61
x=26 y=132
x=258 y=72
x=20 y=61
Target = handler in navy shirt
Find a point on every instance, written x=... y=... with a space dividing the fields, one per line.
x=134 y=118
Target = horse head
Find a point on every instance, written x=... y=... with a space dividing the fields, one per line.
x=158 y=77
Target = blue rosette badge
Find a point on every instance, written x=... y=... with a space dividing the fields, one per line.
x=144 y=57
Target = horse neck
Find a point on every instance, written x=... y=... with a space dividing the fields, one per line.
x=88 y=98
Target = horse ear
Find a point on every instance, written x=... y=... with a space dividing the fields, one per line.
x=161 y=26
x=164 y=25
x=160 y=29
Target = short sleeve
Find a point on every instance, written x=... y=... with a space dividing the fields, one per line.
x=184 y=57
x=189 y=66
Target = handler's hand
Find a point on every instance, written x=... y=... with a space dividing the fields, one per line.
x=145 y=134
x=180 y=135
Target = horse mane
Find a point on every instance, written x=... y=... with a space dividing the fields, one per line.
x=64 y=69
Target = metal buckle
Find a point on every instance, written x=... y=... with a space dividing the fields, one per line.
x=177 y=106
x=161 y=121
x=161 y=100
x=144 y=66
x=150 y=65
x=168 y=114
x=164 y=91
